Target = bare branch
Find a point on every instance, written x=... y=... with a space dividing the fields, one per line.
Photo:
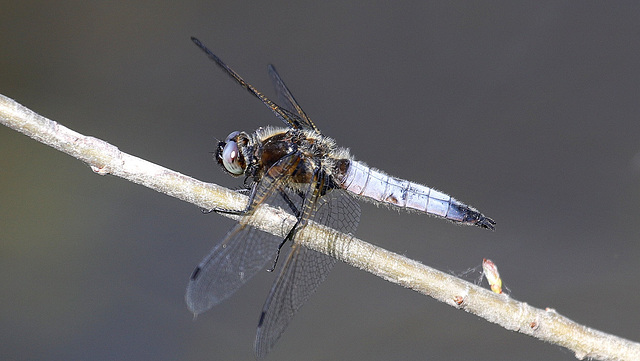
x=547 y=325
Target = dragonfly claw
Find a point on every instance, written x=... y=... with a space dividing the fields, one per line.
x=478 y=219
x=486 y=222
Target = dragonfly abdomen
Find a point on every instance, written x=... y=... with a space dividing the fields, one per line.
x=376 y=185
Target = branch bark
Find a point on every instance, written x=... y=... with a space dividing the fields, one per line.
x=547 y=325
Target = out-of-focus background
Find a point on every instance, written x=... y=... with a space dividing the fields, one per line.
x=527 y=111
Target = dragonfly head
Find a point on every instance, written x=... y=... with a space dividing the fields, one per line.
x=229 y=153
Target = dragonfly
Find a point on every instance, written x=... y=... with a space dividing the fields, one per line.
x=304 y=173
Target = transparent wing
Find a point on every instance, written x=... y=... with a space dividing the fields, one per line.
x=304 y=269
x=285 y=115
x=243 y=252
x=288 y=101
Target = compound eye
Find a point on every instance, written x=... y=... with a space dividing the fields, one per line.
x=231 y=158
x=231 y=136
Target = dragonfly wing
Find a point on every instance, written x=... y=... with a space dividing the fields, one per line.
x=288 y=101
x=304 y=269
x=285 y=115
x=303 y=272
x=243 y=252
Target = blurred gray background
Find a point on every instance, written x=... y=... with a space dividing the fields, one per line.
x=527 y=111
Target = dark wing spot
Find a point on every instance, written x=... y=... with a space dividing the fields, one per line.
x=195 y=273
x=261 y=319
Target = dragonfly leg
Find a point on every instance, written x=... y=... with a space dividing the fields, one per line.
x=239 y=212
x=275 y=260
x=250 y=192
x=289 y=236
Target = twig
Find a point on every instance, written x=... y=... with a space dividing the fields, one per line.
x=547 y=325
